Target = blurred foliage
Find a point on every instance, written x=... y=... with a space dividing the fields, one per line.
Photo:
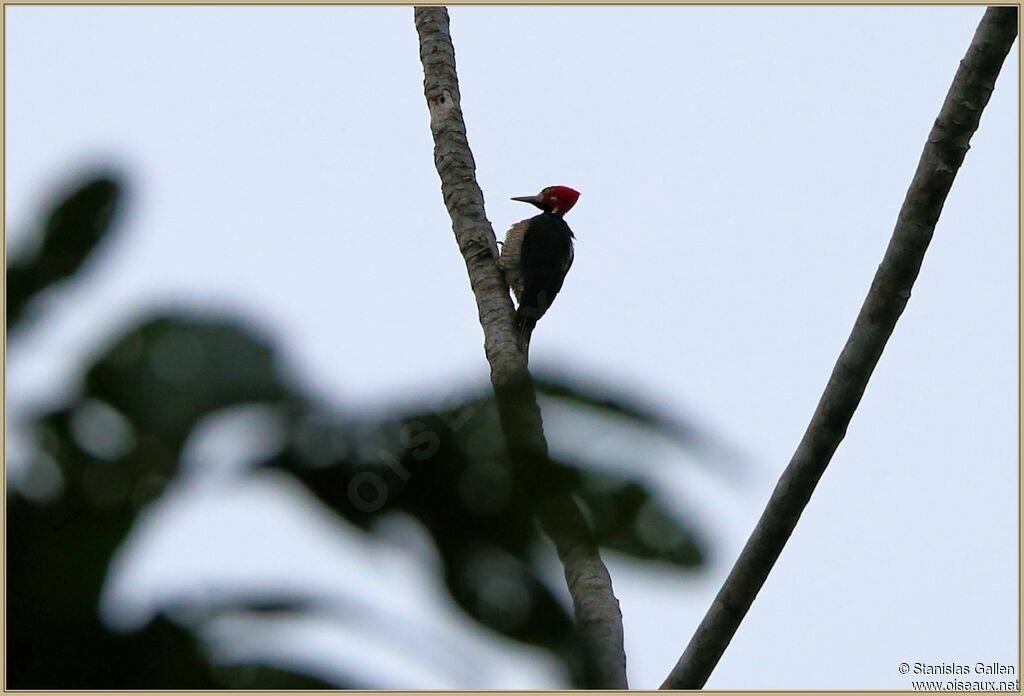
x=72 y=231
x=118 y=443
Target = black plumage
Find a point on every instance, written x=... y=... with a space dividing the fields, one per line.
x=536 y=255
x=546 y=257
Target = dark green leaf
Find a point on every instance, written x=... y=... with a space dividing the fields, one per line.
x=173 y=369
x=71 y=233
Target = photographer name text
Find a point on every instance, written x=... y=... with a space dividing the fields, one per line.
x=954 y=668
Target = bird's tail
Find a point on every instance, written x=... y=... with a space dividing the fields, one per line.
x=524 y=329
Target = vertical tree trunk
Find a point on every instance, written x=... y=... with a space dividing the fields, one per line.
x=597 y=610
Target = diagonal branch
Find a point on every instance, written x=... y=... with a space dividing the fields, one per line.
x=598 y=618
x=944 y=152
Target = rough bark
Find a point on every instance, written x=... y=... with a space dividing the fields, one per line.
x=596 y=609
x=943 y=153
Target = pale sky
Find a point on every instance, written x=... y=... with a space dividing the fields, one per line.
x=741 y=171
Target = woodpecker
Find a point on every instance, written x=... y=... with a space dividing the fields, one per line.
x=536 y=255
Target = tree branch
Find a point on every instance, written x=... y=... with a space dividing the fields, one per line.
x=944 y=152
x=598 y=618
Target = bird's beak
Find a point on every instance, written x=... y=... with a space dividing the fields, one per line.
x=528 y=199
